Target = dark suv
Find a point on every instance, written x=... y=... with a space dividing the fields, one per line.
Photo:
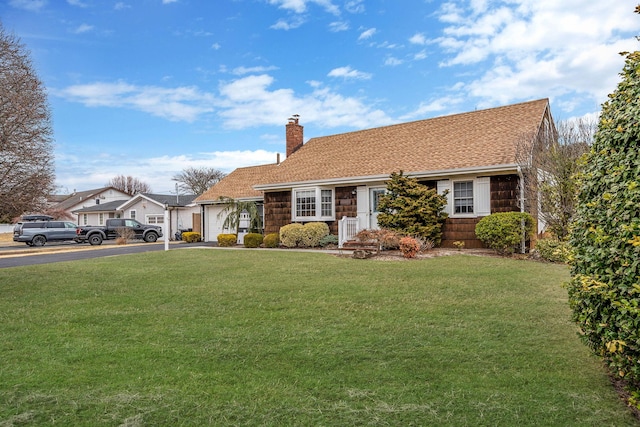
x=38 y=233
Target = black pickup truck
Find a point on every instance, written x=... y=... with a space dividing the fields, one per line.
x=116 y=227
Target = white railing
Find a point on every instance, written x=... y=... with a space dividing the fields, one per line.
x=347 y=229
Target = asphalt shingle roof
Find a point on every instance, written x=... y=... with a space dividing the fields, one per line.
x=461 y=141
x=238 y=184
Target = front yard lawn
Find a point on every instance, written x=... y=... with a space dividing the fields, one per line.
x=241 y=337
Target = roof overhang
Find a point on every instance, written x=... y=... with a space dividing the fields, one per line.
x=361 y=180
x=225 y=201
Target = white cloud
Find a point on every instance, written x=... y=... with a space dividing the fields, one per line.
x=294 y=22
x=338 y=26
x=250 y=97
x=84 y=28
x=239 y=71
x=425 y=110
x=367 y=34
x=349 y=73
x=237 y=100
x=418 y=38
x=354 y=6
x=84 y=172
x=300 y=6
x=121 y=6
x=523 y=58
x=168 y=1
x=393 y=61
x=175 y=104
x=30 y=5
x=216 y=46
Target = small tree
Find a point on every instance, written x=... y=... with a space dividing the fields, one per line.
x=232 y=214
x=411 y=208
x=549 y=162
x=604 y=293
x=26 y=141
x=198 y=180
x=129 y=184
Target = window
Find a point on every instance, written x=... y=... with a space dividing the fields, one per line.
x=100 y=219
x=463 y=197
x=155 y=219
x=313 y=204
x=85 y=219
x=132 y=214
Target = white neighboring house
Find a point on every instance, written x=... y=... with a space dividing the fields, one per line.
x=88 y=198
x=184 y=213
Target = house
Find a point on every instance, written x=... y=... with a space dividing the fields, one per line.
x=238 y=185
x=83 y=199
x=472 y=155
x=147 y=208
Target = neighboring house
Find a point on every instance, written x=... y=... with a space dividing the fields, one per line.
x=238 y=185
x=98 y=214
x=184 y=213
x=148 y=209
x=472 y=155
x=83 y=199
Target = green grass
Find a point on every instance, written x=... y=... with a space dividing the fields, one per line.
x=214 y=337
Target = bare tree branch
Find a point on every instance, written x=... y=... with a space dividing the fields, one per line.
x=198 y=180
x=26 y=137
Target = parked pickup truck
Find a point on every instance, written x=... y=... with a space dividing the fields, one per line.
x=116 y=227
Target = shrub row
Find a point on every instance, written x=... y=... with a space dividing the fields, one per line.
x=308 y=235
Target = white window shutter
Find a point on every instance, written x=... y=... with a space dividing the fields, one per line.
x=362 y=200
x=442 y=187
x=483 y=196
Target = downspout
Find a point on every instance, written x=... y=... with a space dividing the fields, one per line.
x=523 y=242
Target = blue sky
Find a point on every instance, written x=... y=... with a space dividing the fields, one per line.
x=150 y=87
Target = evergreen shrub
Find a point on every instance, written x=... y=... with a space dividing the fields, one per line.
x=553 y=250
x=604 y=291
x=271 y=240
x=503 y=231
x=190 y=236
x=291 y=235
x=227 y=240
x=304 y=236
x=330 y=239
x=253 y=240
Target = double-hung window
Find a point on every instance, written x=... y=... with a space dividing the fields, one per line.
x=463 y=197
x=313 y=204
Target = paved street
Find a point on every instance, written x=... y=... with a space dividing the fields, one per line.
x=21 y=255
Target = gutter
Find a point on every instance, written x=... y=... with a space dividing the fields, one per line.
x=523 y=242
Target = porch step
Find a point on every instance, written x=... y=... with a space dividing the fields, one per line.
x=357 y=245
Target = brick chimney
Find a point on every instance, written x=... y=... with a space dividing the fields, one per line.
x=294 y=135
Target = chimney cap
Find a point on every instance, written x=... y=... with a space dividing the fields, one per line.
x=294 y=118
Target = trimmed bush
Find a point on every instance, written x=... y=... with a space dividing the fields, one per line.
x=271 y=240
x=190 y=236
x=330 y=239
x=313 y=232
x=291 y=235
x=409 y=247
x=503 y=231
x=227 y=240
x=304 y=236
x=252 y=240
x=553 y=250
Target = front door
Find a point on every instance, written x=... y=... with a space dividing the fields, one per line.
x=374 y=200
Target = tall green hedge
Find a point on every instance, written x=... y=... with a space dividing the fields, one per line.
x=604 y=291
